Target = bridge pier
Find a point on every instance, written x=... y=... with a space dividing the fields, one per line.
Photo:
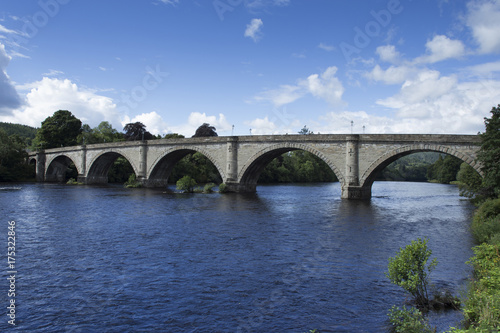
x=356 y=192
x=240 y=188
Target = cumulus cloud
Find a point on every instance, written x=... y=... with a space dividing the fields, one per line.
x=253 y=29
x=325 y=86
x=153 y=121
x=261 y=126
x=49 y=95
x=484 y=20
x=9 y=98
x=196 y=119
x=388 y=53
x=392 y=75
x=441 y=48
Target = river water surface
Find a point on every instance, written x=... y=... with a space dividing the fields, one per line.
x=289 y=258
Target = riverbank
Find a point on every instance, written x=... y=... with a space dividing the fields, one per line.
x=482 y=304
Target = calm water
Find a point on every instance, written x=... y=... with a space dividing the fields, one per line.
x=289 y=258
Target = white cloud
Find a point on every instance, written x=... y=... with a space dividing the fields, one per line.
x=253 y=29
x=7 y=31
x=170 y=2
x=53 y=72
x=392 y=75
x=388 y=53
x=430 y=103
x=428 y=85
x=262 y=126
x=153 y=121
x=9 y=98
x=49 y=95
x=441 y=48
x=325 y=86
x=484 y=21
x=196 y=119
x=326 y=47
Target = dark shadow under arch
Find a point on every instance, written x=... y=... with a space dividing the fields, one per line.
x=252 y=171
x=163 y=168
x=371 y=173
x=98 y=172
x=58 y=168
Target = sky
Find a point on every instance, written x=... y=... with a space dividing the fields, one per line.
x=253 y=66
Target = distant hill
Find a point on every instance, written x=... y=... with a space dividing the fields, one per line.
x=23 y=131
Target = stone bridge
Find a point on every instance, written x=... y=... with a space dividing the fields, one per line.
x=355 y=159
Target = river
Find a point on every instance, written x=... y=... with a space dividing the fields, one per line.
x=289 y=258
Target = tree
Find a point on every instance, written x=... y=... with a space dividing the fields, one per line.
x=305 y=131
x=205 y=130
x=409 y=270
x=173 y=136
x=489 y=154
x=186 y=184
x=13 y=156
x=137 y=131
x=59 y=130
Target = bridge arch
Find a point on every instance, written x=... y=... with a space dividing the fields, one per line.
x=57 y=167
x=250 y=172
x=368 y=177
x=162 y=166
x=102 y=163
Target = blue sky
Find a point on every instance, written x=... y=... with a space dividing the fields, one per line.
x=266 y=67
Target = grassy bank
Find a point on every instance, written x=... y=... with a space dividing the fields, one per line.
x=482 y=303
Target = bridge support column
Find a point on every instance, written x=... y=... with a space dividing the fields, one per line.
x=143 y=164
x=40 y=166
x=81 y=176
x=232 y=159
x=356 y=192
x=240 y=188
x=351 y=188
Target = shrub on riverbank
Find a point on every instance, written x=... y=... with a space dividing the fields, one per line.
x=132 y=182
x=404 y=320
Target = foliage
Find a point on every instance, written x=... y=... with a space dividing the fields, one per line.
x=205 y=130
x=198 y=167
x=104 y=132
x=173 y=136
x=208 y=188
x=297 y=166
x=13 y=166
x=444 y=170
x=132 y=182
x=186 y=184
x=120 y=171
x=28 y=133
x=489 y=154
x=409 y=270
x=305 y=131
x=223 y=188
x=412 y=167
x=482 y=305
x=73 y=181
x=469 y=181
x=59 y=130
x=408 y=320
x=486 y=220
x=137 y=131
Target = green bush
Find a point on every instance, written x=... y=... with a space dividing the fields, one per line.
x=223 y=188
x=408 y=320
x=409 y=270
x=186 y=184
x=486 y=220
x=73 y=181
x=208 y=188
x=482 y=305
x=132 y=182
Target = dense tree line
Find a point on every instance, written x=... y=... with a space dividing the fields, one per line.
x=13 y=158
x=27 y=133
